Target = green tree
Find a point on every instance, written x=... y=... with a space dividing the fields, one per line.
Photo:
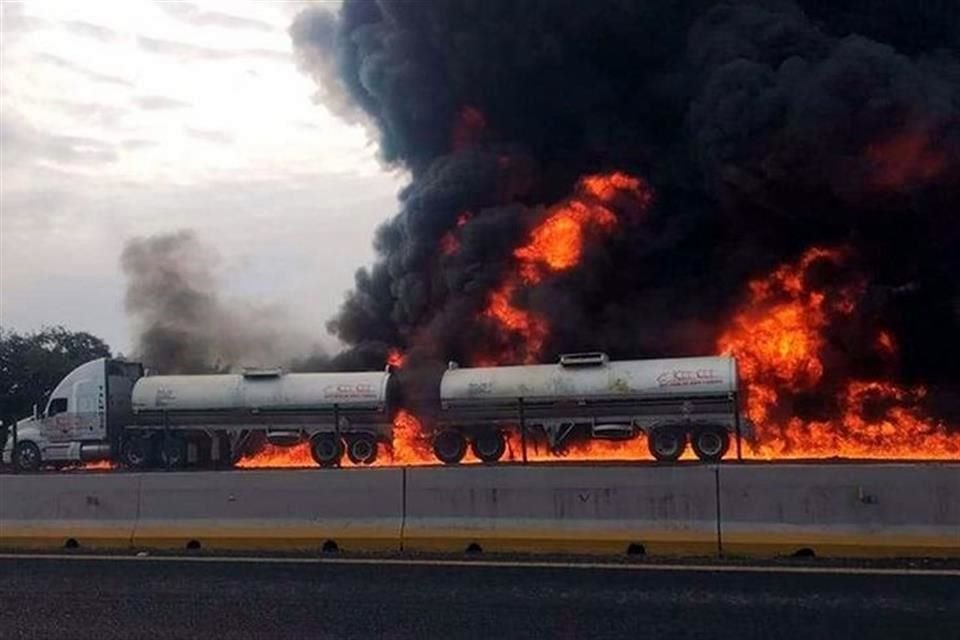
x=31 y=365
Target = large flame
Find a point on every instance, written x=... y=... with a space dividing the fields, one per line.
x=554 y=245
x=778 y=340
x=531 y=327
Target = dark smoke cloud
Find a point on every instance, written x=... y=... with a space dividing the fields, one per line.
x=185 y=325
x=764 y=127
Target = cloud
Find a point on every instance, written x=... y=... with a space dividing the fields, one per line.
x=190 y=51
x=194 y=15
x=22 y=142
x=210 y=135
x=103 y=114
x=133 y=144
x=90 y=30
x=61 y=63
x=14 y=21
x=156 y=103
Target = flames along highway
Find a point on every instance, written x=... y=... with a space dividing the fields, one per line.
x=778 y=335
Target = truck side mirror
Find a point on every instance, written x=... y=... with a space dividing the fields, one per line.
x=36 y=412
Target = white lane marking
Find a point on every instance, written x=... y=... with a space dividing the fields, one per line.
x=535 y=564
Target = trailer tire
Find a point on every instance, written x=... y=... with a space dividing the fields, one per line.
x=710 y=445
x=137 y=452
x=666 y=444
x=173 y=451
x=449 y=446
x=326 y=449
x=27 y=456
x=362 y=449
x=489 y=446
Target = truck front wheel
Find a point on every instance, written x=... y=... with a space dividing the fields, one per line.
x=27 y=456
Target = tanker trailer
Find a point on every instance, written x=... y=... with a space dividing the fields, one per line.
x=585 y=395
x=107 y=409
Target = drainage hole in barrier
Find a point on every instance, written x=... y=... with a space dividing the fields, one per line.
x=330 y=547
x=71 y=543
x=473 y=547
x=805 y=552
x=635 y=549
x=193 y=545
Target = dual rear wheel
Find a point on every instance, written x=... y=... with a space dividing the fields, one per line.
x=451 y=446
x=668 y=444
x=327 y=450
x=142 y=451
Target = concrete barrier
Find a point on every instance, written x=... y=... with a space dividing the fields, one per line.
x=57 y=511
x=345 y=509
x=570 y=509
x=841 y=509
x=776 y=509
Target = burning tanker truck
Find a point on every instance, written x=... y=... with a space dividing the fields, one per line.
x=107 y=409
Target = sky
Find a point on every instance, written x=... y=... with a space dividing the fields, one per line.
x=122 y=119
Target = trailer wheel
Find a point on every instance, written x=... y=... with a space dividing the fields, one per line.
x=362 y=449
x=137 y=452
x=710 y=444
x=449 y=447
x=326 y=449
x=489 y=446
x=27 y=456
x=666 y=444
x=173 y=451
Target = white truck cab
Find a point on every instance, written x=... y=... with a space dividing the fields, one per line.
x=76 y=423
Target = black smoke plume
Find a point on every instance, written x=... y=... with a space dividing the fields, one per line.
x=764 y=127
x=184 y=324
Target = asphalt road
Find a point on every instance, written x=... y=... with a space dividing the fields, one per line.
x=81 y=597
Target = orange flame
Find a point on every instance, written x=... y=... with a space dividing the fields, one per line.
x=557 y=242
x=554 y=245
x=886 y=343
x=778 y=340
x=449 y=243
x=99 y=464
x=410 y=446
x=532 y=327
x=395 y=358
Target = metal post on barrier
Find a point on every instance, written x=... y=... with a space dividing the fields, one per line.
x=523 y=430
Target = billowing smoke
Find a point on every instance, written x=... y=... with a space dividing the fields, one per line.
x=184 y=324
x=763 y=128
